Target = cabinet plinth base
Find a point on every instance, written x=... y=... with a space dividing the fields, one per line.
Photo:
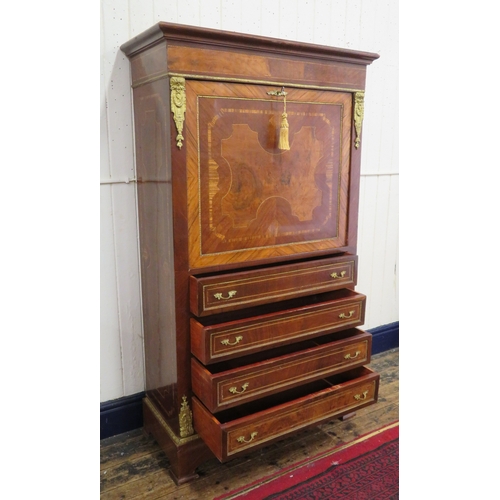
x=184 y=454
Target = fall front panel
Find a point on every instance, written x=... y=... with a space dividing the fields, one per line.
x=250 y=200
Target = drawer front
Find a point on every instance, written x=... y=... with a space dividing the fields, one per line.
x=219 y=342
x=235 y=386
x=227 y=439
x=215 y=294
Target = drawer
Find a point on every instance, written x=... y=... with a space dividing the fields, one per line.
x=303 y=318
x=238 y=381
x=238 y=430
x=238 y=290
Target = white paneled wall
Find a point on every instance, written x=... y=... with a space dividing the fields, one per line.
x=369 y=25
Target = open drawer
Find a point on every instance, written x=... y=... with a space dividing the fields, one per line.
x=213 y=341
x=244 y=289
x=250 y=426
x=238 y=381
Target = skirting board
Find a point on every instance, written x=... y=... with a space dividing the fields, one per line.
x=385 y=337
x=125 y=414
x=121 y=415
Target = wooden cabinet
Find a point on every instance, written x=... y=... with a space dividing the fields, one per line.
x=248 y=156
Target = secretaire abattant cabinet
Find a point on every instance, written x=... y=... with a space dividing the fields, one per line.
x=248 y=158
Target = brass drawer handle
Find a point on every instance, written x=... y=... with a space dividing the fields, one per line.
x=345 y=316
x=230 y=295
x=237 y=340
x=336 y=276
x=242 y=439
x=359 y=397
x=234 y=390
x=348 y=356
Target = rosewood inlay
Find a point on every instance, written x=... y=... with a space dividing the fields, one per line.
x=256 y=181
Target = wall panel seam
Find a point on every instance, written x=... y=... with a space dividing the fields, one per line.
x=117 y=284
x=378 y=174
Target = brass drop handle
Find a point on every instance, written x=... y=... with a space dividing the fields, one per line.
x=237 y=340
x=234 y=390
x=359 y=397
x=338 y=276
x=348 y=356
x=230 y=295
x=242 y=439
x=345 y=316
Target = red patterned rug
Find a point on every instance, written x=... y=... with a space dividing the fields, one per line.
x=364 y=469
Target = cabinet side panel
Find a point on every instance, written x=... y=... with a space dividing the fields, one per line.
x=156 y=242
x=149 y=64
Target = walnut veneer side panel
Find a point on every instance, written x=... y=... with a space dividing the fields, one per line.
x=163 y=268
x=155 y=227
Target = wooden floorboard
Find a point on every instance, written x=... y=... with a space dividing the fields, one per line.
x=134 y=467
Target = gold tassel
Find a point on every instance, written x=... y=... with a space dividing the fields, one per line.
x=283 y=142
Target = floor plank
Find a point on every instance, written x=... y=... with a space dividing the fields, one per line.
x=134 y=467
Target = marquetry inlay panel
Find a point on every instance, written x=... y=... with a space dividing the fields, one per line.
x=249 y=200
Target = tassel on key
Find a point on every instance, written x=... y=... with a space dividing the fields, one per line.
x=283 y=143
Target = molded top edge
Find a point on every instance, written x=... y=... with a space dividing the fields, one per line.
x=225 y=39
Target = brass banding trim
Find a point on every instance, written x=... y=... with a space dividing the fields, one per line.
x=221 y=79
